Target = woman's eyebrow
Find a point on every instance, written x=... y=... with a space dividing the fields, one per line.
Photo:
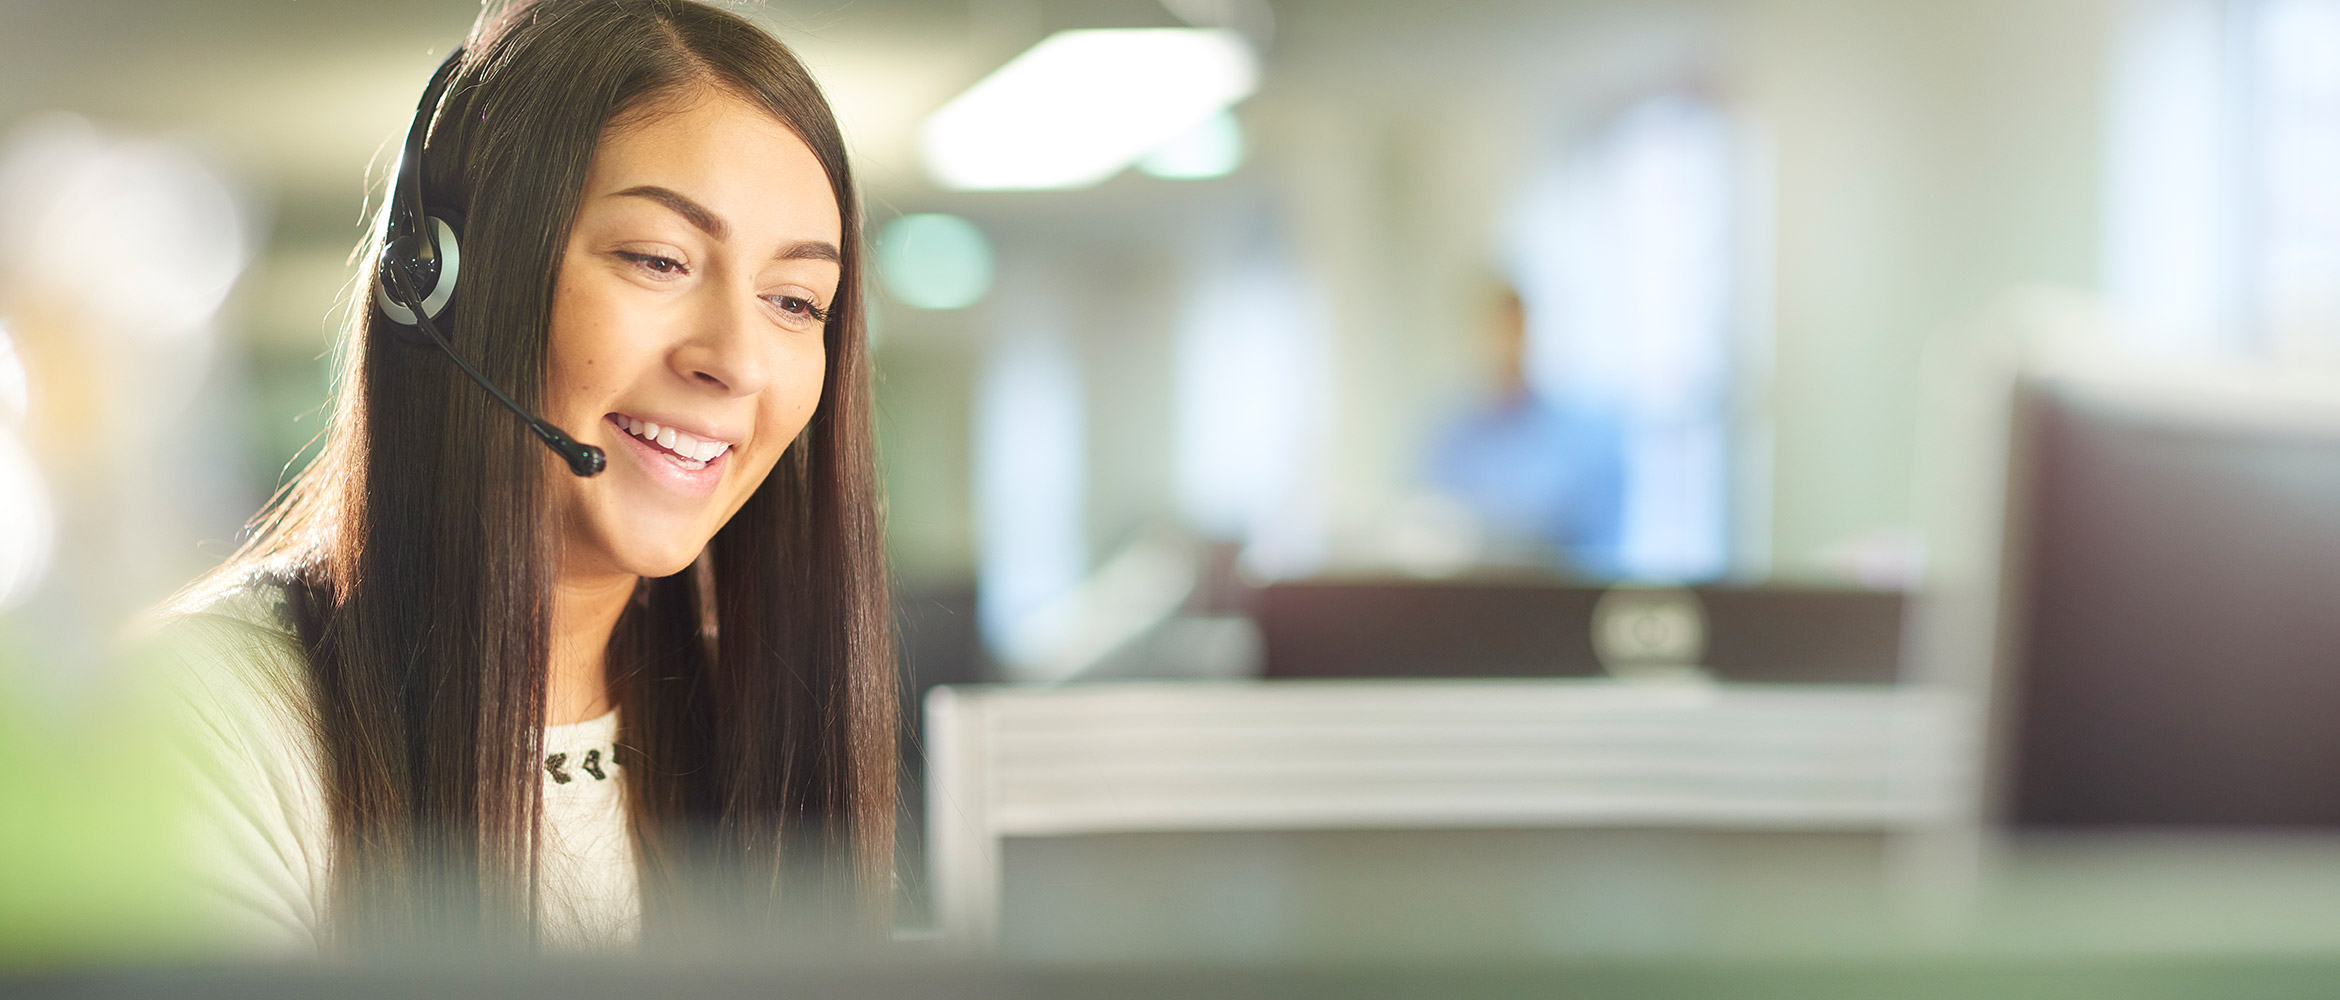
x=810 y=250
x=691 y=211
x=713 y=225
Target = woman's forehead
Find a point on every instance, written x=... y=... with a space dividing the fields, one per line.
x=729 y=156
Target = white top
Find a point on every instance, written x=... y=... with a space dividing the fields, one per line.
x=590 y=895
x=258 y=840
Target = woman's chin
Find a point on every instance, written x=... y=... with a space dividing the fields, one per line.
x=653 y=560
x=664 y=564
x=638 y=535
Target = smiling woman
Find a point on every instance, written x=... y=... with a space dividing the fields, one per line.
x=451 y=693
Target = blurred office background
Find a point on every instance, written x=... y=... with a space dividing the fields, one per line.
x=1498 y=293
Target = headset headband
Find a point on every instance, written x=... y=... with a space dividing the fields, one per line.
x=421 y=258
x=407 y=213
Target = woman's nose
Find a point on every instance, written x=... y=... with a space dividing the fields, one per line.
x=720 y=352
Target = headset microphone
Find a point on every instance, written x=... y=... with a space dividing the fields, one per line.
x=421 y=255
x=583 y=459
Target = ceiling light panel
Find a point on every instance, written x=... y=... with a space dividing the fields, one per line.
x=1081 y=105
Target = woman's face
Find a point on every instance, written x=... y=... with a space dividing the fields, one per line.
x=687 y=322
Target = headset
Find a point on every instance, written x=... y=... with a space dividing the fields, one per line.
x=421 y=258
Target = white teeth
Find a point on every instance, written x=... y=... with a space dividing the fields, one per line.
x=690 y=451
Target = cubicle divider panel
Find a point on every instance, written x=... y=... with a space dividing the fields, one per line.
x=1016 y=762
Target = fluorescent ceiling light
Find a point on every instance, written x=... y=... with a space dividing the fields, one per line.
x=1081 y=105
x=934 y=261
x=1213 y=148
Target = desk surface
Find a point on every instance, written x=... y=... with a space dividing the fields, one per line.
x=2068 y=917
x=1924 y=977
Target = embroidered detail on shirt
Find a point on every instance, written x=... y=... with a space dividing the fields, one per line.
x=554 y=764
x=592 y=765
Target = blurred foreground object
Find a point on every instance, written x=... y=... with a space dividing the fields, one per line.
x=2176 y=547
x=2151 y=548
x=115 y=254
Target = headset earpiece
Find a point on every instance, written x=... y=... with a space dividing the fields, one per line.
x=432 y=274
x=420 y=243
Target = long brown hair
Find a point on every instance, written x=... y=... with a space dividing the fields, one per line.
x=757 y=691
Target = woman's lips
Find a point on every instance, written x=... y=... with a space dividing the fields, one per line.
x=667 y=468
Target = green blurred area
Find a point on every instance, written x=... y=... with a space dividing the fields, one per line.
x=91 y=866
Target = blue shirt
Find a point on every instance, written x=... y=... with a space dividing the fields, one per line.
x=1541 y=473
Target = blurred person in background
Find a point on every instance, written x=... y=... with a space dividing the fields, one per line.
x=1545 y=478
x=450 y=694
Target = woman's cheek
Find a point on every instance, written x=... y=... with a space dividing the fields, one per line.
x=810 y=368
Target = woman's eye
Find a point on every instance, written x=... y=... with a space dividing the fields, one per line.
x=654 y=263
x=799 y=307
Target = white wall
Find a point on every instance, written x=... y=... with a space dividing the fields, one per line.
x=1928 y=157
